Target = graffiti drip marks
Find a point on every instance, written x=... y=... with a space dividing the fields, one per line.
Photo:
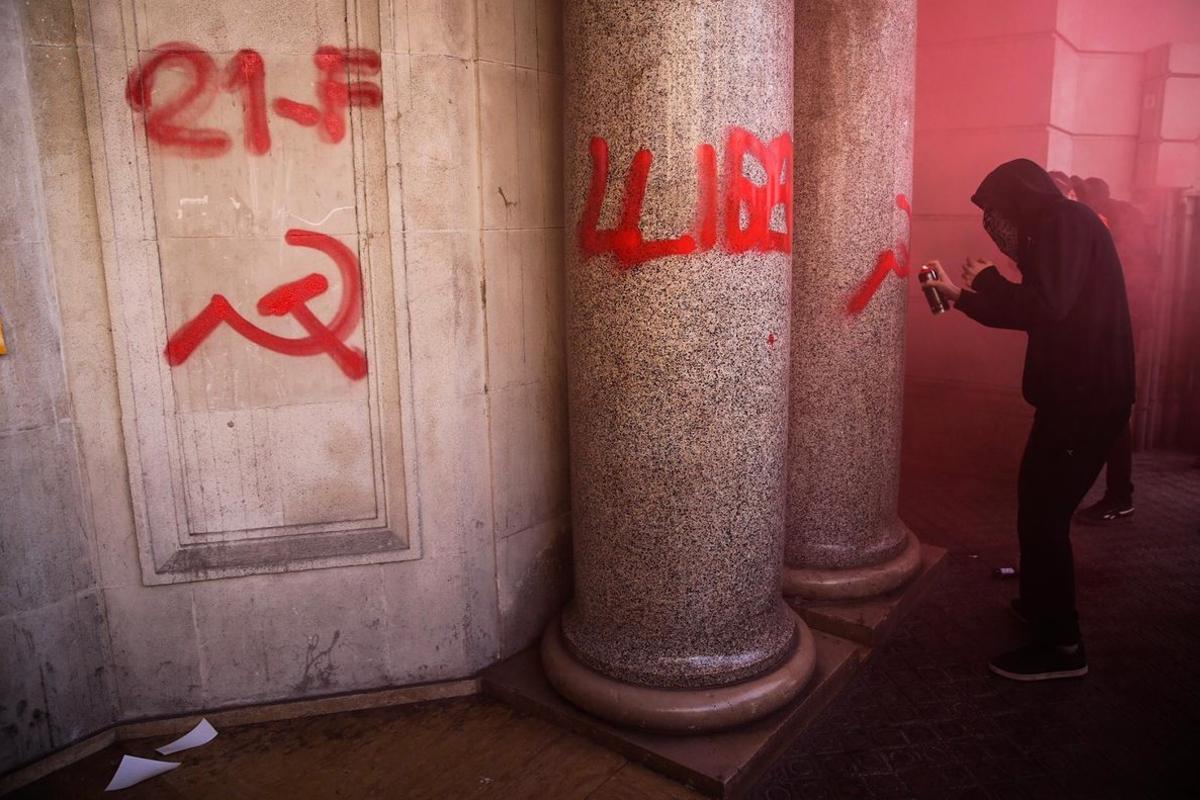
x=290 y=299
x=172 y=122
x=744 y=198
x=892 y=260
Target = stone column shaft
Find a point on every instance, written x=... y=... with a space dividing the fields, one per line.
x=678 y=123
x=854 y=85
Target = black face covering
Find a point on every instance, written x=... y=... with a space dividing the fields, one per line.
x=1003 y=232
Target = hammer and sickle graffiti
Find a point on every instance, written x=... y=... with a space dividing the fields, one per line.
x=290 y=298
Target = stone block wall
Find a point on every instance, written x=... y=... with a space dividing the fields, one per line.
x=236 y=523
x=56 y=675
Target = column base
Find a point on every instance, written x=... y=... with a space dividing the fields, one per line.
x=856 y=582
x=677 y=710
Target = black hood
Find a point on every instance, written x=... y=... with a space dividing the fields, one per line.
x=1020 y=190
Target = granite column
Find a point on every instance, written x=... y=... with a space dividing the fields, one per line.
x=678 y=180
x=854 y=86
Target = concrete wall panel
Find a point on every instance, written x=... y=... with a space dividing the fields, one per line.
x=442 y=27
x=1109 y=157
x=228 y=27
x=298 y=635
x=1127 y=26
x=438 y=152
x=1170 y=108
x=953 y=20
x=75 y=665
x=949 y=164
x=156 y=649
x=521 y=141
x=24 y=722
x=1109 y=94
x=1173 y=58
x=534 y=579
x=46 y=555
x=1008 y=83
x=55 y=682
x=34 y=393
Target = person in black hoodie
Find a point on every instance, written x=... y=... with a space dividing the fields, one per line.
x=1078 y=376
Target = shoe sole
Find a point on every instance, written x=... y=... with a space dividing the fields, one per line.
x=1039 y=676
x=1123 y=516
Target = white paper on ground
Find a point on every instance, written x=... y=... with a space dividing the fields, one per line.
x=203 y=733
x=133 y=770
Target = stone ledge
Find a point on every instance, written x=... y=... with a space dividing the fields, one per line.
x=232 y=717
x=870 y=621
x=727 y=764
x=721 y=764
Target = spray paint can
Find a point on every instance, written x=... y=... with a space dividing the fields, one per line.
x=937 y=303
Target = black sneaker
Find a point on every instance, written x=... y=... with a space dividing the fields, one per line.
x=1106 y=510
x=1017 y=609
x=1039 y=662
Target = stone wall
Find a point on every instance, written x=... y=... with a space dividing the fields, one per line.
x=56 y=676
x=381 y=501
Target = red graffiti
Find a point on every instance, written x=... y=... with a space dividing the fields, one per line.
x=759 y=201
x=334 y=92
x=173 y=123
x=248 y=74
x=290 y=298
x=892 y=260
x=626 y=239
x=706 y=172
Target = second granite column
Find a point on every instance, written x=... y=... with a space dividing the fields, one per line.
x=678 y=167
x=854 y=128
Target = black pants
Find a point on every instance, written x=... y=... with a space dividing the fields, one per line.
x=1064 y=454
x=1119 y=475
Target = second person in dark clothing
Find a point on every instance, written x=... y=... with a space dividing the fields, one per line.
x=1078 y=376
x=1128 y=231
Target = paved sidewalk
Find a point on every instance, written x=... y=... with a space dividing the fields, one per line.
x=926 y=719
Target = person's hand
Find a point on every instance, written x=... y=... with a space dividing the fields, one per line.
x=972 y=267
x=942 y=283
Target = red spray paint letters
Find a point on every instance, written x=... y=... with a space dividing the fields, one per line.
x=247 y=74
x=334 y=92
x=173 y=122
x=893 y=259
x=290 y=298
x=757 y=201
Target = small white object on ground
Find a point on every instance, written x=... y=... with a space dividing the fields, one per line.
x=133 y=770
x=203 y=733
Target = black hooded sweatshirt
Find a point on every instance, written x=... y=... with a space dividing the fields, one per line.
x=1071 y=299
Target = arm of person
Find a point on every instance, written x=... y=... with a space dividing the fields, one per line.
x=992 y=301
x=1054 y=276
x=984 y=295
